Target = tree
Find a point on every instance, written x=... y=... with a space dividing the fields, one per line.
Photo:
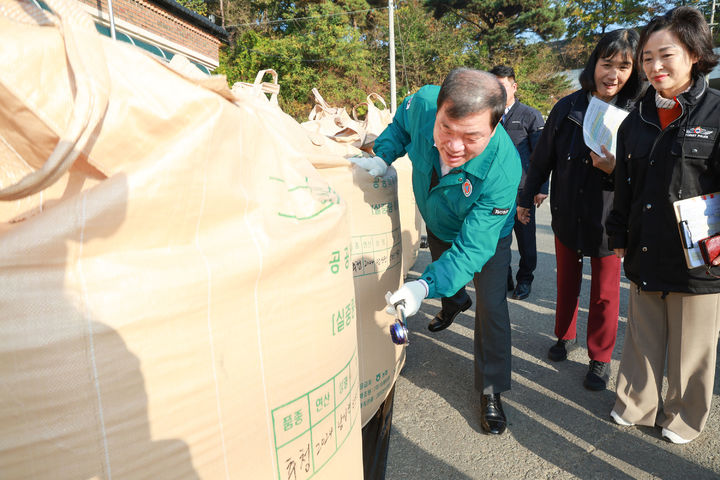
x=589 y=17
x=341 y=48
x=503 y=25
x=197 y=6
x=536 y=69
x=232 y=13
x=426 y=48
x=310 y=44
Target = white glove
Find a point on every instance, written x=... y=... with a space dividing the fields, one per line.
x=375 y=166
x=412 y=293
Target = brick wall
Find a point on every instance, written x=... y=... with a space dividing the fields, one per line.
x=159 y=21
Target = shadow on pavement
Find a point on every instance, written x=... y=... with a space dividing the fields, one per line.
x=557 y=428
x=413 y=463
x=584 y=416
x=549 y=411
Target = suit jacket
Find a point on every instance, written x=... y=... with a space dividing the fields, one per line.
x=524 y=124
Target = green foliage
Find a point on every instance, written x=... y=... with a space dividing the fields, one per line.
x=590 y=17
x=499 y=25
x=326 y=52
x=536 y=72
x=341 y=47
x=427 y=49
x=540 y=86
x=197 y=6
x=587 y=18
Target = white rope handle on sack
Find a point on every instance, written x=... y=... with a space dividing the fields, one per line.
x=322 y=105
x=354 y=112
x=320 y=100
x=90 y=102
x=370 y=104
x=272 y=88
x=379 y=98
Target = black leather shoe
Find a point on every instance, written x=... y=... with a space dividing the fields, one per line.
x=560 y=350
x=443 y=320
x=511 y=284
x=522 y=291
x=492 y=417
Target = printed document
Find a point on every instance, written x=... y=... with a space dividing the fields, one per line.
x=698 y=218
x=601 y=124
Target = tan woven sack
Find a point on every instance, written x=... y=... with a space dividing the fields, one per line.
x=375 y=121
x=334 y=123
x=376 y=261
x=259 y=87
x=170 y=305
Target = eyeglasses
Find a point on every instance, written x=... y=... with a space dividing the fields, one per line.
x=398 y=330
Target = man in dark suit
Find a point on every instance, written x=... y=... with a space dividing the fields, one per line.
x=524 y=124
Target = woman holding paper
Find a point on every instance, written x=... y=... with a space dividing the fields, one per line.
x=668 y=151
x=580 y=199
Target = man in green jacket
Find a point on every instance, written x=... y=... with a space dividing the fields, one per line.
x=466 y=172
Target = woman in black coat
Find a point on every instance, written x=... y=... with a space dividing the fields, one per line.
x=667 y=151
x=580 y=198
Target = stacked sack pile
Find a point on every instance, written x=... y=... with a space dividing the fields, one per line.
x=178 y=299
x=376 y=251
x=383 y=249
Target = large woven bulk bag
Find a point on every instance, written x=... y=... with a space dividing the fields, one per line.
x=375 y=120
x=334 y=122
x=376 y=259
x=258 y=87
x=158 y=319
x=375 y=256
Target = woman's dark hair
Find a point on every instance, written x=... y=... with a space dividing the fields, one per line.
x=690 y=27
x=623 y=41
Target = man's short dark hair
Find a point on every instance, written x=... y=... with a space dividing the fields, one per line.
x=503 y=71
x=468 y=91
x=690 y=27
x=623 y=41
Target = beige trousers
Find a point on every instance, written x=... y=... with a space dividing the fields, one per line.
x=682 y=328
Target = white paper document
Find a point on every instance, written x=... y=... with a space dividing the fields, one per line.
x=698 y=218
x=601 y=124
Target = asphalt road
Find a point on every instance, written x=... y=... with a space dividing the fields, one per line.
x=556 y=428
